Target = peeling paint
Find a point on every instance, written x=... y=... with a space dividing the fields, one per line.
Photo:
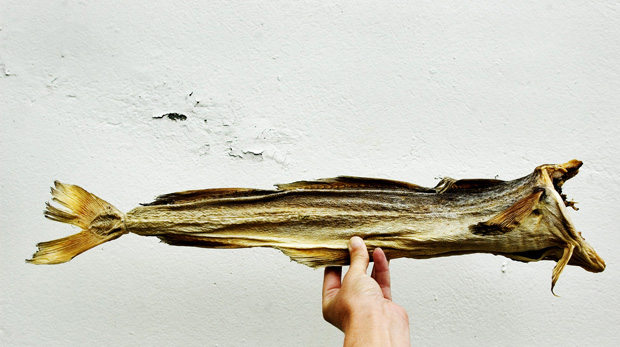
x=268 y=143
x=253 y=156
x=204 y=149
x=4 y=72
x=249 y=154
x=172 y=116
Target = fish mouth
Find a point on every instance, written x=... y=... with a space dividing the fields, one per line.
x=562 y=173
x=587 y=258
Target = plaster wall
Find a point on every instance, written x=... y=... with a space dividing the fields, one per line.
x=277 y=91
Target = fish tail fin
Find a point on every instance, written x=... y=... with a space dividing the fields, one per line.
x=100 y=222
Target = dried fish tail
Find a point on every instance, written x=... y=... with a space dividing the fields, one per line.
x=99 y=220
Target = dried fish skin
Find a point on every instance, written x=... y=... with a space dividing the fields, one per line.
x=311 y=221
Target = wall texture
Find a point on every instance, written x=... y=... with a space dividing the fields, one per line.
x=276 y=91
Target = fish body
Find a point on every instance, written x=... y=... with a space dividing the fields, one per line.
x=311 y=221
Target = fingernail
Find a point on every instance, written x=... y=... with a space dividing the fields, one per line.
x=355 y=242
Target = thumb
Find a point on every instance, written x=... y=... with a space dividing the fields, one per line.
x=359 y=255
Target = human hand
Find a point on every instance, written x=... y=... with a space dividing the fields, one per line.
x=361 y=305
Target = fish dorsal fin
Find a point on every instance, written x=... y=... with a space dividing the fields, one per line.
x=340 y=182
x=190 y=196
x=352 y=182
x=448 y=184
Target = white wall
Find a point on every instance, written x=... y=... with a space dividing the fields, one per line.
x=275 y=92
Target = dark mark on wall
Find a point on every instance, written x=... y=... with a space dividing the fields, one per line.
x=172 y=116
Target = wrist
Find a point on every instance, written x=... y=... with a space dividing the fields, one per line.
x=385 y=327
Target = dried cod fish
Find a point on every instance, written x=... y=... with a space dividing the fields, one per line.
x=311 y=221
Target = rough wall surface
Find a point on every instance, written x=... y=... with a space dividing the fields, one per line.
x=256 y=93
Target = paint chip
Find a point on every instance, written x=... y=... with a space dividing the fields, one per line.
x=172 y=116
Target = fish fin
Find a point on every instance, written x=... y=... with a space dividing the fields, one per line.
x=100 y=222
x=448 y=184
x=317 y=257
x=190 y=196
x=510 y=217
x=197 y=241
x=352 y=182
x=62 y=250
x=341 y=182
x=559 y=267
x=80 y=206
